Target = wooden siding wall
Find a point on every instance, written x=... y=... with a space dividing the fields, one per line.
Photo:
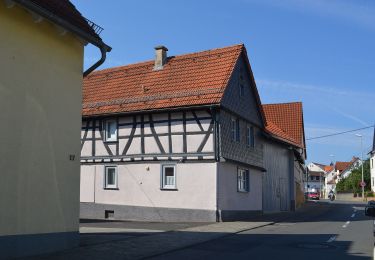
x=151 y=136
x=276 y=181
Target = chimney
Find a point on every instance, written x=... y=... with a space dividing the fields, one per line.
x=160 y=57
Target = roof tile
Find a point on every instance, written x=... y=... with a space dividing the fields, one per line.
x=285 y=121
x=185 y=80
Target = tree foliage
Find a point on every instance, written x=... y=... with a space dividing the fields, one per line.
x=352 y=182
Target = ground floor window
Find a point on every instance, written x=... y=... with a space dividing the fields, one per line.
x=110 y=176
x=243 y=180
x=168 y=176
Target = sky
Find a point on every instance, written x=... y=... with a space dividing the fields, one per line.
x=320 y=52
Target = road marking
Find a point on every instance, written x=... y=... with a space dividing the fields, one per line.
x=346 y=224
x=353 y=215
x=331 y=239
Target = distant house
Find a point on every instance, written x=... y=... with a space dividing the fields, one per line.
x=330 y=179
x=325 y=177
x=372 y=161
x=284 y=157
x=178 y=138
x=316 y=178
x=344 y=169
x=354 y=163
x=41 y=60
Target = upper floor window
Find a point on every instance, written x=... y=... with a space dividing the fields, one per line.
x=235 y=129
x=250 y=141
x=241 y=84
x=242 y=89
x=168 y=176
x=243 y=180
x=372 y=163
x=110 y=177
x=110 y=130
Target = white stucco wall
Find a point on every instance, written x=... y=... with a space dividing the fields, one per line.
x=229 y=198
x=372 y=171
x=196 y=186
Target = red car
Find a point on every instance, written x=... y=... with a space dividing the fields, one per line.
x=313 y=195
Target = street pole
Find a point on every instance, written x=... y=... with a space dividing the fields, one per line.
x=363 y=187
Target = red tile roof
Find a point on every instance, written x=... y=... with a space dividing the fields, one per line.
x=285 y=121
x=65 y=10
x=328 y=168
x=340 y=166
x=185 y=80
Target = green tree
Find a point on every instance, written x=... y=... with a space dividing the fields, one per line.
x=352 y=182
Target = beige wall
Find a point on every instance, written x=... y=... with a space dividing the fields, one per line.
x=196 y=184
x=40 y=115
x=230 y=198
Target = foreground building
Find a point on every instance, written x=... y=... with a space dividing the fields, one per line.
x=284 y=157
x=41 y=60
x=372 y=161
x=178 y=138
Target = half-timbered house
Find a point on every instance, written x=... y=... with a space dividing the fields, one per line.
x=173 y=139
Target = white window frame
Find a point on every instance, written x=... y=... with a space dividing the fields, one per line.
x=243 y=180
x=106 y=130
x=110 y=186
x=250 y=139
x=163 y=185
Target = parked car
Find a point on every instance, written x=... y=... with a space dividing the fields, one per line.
x=313 y=195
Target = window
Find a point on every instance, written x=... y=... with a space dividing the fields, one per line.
x=235 y=130
x=242 y=90
x=311 y=178
x=372 y=163
x=250 y=136
x=241 y=84
x=168 y=177
x=110 y=131
x=243 y=180
x=317 y=178
x=110 y=177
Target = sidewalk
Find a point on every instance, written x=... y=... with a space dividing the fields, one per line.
x=166 y=241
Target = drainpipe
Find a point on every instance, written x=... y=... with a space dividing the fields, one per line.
x=103 y=51
x=216 y=133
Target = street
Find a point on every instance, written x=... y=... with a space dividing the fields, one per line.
x=341 y=232
x=319 y=230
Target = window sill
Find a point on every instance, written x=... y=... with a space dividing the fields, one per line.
x=169 y=189
x=115 y=141
x=111 y=188
x=243 y=191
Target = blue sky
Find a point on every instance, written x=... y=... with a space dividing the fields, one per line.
x=320 y=52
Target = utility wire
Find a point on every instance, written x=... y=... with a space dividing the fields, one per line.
x=339 y=133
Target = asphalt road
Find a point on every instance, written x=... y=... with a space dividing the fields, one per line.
x=330 y=231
